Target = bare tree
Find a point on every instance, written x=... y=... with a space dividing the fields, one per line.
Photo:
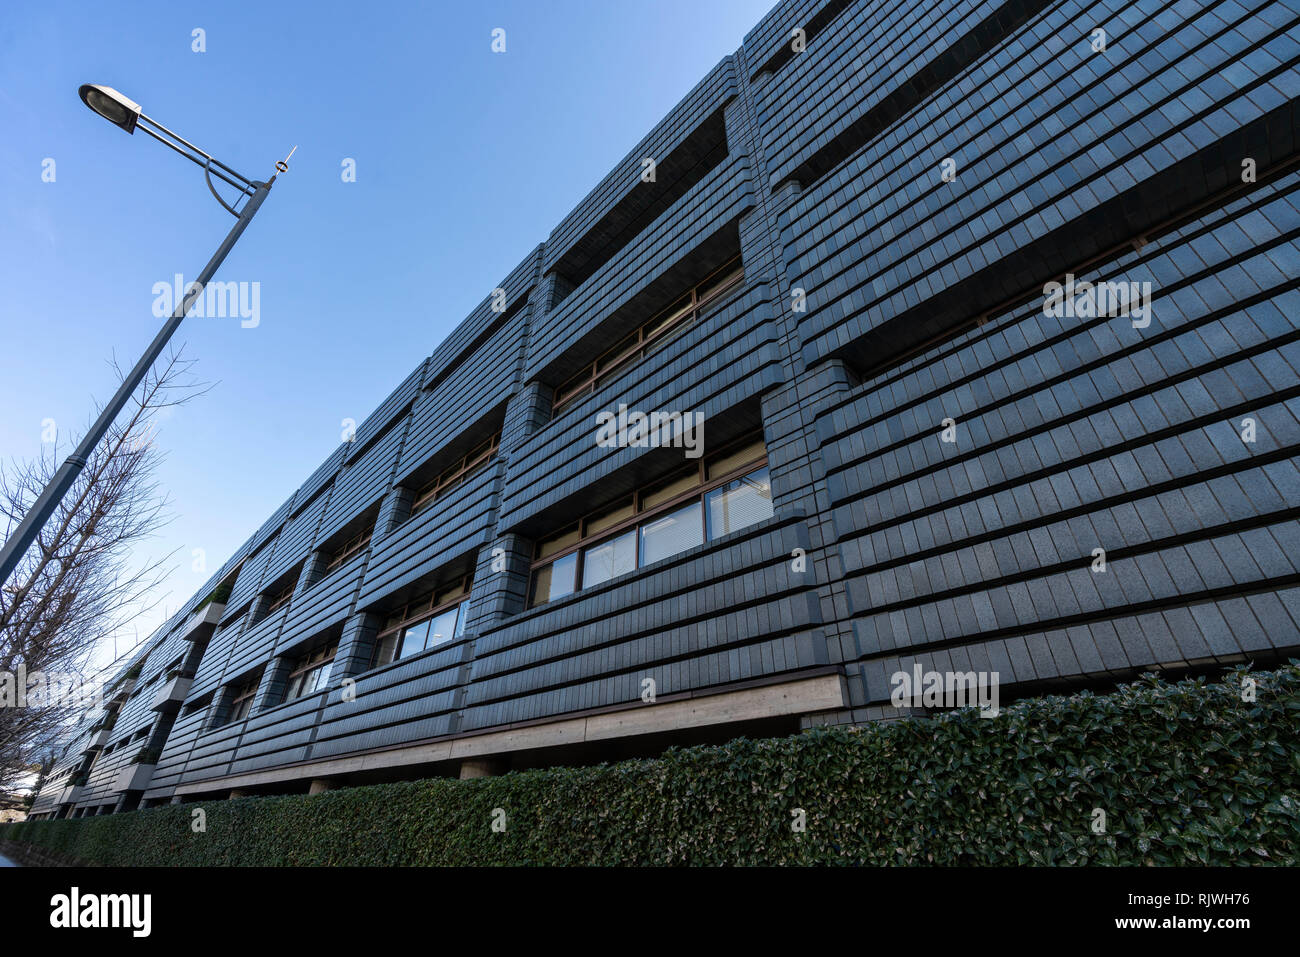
x=76 y=587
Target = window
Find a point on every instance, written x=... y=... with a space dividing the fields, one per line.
x=650 y=337
x=349 y=547
x=706 y=501
x=242 y=695
x=431 y=620
x=472 y=462
x=280 y=596
x=311 y=672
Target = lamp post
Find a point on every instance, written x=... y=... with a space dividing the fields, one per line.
x=126 y=114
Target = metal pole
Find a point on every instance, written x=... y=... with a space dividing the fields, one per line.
x=44 y=507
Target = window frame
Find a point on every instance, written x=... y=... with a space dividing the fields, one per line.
x=246 y=690
x=649 y=337
x=278 y=600
x=351 y=547
x=698 y=492
x=307 y=664
x=421 y=613
x=464 y=468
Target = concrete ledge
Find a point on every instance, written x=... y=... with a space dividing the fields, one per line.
x=170 y=696
x=134 y=777
x=207 y=617
x=123 y=691
x=802 y=696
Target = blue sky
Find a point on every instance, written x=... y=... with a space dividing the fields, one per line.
x=465 y=160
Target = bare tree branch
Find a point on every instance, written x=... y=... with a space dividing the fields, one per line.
x=75 y=588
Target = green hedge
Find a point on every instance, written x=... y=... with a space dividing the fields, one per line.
x=1186 y=773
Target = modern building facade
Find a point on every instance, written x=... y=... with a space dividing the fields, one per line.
x=988 y=313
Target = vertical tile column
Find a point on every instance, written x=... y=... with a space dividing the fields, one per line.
x=356 y=646
x=790 y=411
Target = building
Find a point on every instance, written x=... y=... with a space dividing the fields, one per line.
x=990 y=312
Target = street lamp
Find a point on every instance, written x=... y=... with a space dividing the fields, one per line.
x=126 y=114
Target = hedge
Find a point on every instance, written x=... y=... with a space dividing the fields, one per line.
x=1185 y=773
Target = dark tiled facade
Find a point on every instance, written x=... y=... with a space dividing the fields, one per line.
x=885 y=308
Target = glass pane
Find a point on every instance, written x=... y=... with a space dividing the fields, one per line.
x=563 y=576
x=472 y=470
x=323 y=675
x=442 y=628
x=669 y=335
x=384 y=650
x=413 y=639
x=554 y=580
x=725 y=277
x=673 y=487
x=615 y=354
x=615 y=557
x=739 y=504
x=668 y=316
x=478 y=450
x=460 y=619
x=540 y=588
x=671 y=533
x=610 y=517
x=549 y=546
x=447 y=594
x=737 y=457
x=567 y=395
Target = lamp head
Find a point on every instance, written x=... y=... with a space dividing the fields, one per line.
x=111 y=105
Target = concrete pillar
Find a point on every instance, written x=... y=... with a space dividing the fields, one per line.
x=527 y=412
x=320 y=785
x=480 y=768
x=275 y=680
x=356 y=646
x=393 y=511
x=313 y=570
x=500 y=582
x=256 y=611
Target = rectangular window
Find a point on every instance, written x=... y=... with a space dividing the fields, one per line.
x=433 y=619
x=671 y=533
x=554 y=580
x=608 y=559
x=739 y=503
x=241 y=701
x=650 y=337
x=349 y=547
x=718 y=495
x=279 y=597
x=468 y=465
x=311 y=672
